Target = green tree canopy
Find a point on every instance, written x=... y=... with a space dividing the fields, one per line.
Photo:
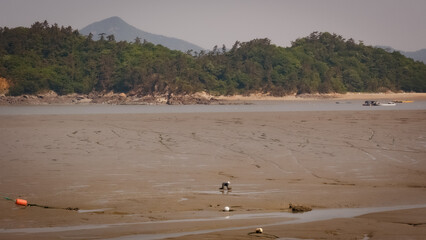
x=49 y=57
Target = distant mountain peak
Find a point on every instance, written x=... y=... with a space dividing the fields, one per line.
x=123 y=31
x=114 y=18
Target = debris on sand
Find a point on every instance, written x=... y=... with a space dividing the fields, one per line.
x=299 y=208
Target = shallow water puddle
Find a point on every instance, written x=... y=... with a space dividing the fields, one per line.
x=94 y=210
x=290 y=218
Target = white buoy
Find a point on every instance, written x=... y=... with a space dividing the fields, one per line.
x=259 y=230
x=226 y=209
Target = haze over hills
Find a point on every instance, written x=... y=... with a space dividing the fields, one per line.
x=419 y=55
x=123 y=31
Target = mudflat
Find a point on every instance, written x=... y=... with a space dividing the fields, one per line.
x=155 y=176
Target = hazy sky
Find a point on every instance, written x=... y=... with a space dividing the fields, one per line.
x=400 y=24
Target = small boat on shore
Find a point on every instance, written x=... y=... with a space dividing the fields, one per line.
x=370 y=103
x=386 y=104
x=376 y=103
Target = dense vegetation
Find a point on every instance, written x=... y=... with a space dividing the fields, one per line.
x=46 y=57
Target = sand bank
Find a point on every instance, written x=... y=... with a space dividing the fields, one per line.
x=143 y=174
x=335 y=96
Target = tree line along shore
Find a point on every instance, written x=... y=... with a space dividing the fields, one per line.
x=45 y=58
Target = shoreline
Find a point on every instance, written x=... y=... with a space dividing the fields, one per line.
x=333 y=96
x=202 y=98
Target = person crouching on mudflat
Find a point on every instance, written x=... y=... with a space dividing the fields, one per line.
x=227 y=185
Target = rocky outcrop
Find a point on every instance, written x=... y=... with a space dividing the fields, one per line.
x=4 y=86
x=198 y=98
x=51 y=97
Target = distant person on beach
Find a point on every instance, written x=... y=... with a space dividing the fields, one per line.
x=226 y=184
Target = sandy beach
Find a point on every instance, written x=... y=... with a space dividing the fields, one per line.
x=390 y=96
x=156 y=176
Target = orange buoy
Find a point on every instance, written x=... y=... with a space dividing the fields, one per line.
x=21 y=202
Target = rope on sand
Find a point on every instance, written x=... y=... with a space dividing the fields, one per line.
x=67 y=208
x=24 y=203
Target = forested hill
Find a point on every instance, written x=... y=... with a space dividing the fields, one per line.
x=49 y=57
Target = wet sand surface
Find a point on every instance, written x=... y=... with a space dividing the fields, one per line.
x=156 y=176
